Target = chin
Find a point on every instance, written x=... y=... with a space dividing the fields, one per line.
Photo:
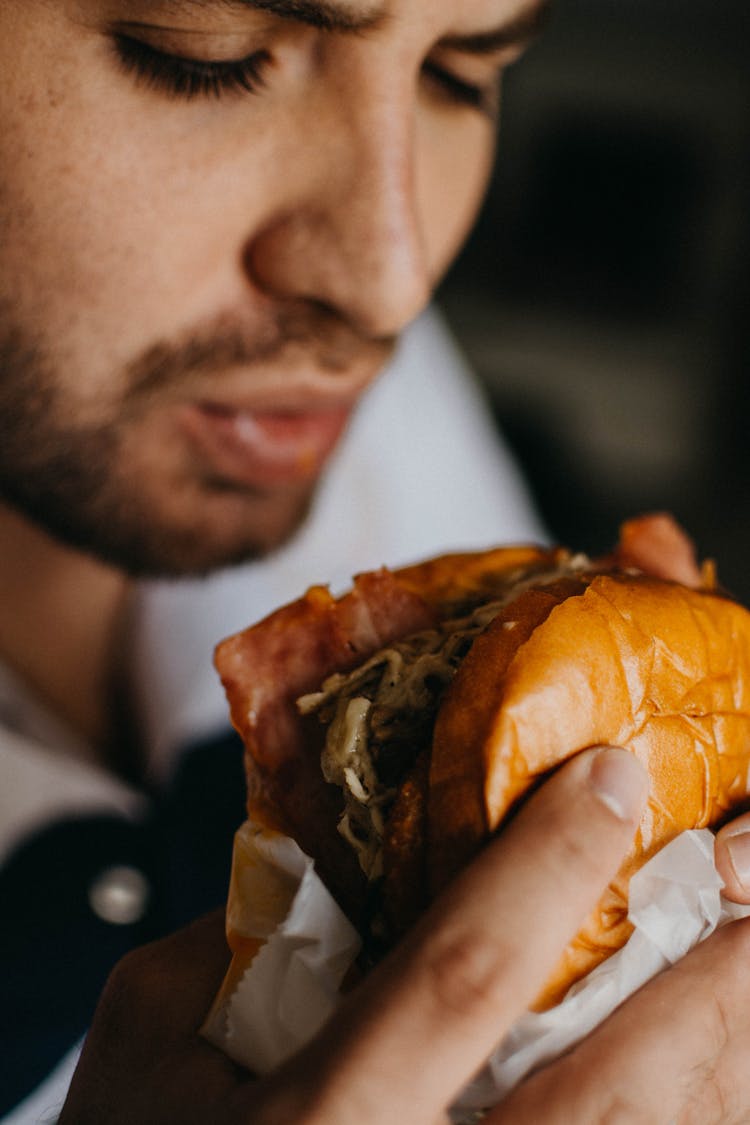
x=212 y=543
x=207 y=530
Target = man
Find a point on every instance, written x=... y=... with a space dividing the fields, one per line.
x=217 y=217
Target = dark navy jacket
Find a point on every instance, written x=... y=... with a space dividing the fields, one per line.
x=56 y=950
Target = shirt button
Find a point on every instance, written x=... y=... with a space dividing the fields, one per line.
x=119 y=895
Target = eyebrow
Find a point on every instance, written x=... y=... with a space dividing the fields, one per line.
x=328 y=15
x=518 y=31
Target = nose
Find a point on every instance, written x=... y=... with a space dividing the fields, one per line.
x=345 y=231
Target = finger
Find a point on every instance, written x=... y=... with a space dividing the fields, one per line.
x=732 y=856
x=147 y=1023
x=676 y=1051
x=153 y=976
x=421 y=1025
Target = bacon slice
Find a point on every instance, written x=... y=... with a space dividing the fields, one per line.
x=267 y=667
x=657 y=545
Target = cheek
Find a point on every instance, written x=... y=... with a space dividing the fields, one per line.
x=453 y=170
x=112 y=236
x=66 y=216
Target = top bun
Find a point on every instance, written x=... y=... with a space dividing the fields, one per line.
x=632 y=661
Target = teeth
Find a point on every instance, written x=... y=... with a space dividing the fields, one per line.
x=247 y=428
x=250 y=430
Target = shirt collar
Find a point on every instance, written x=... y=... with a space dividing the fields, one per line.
x=46 y=771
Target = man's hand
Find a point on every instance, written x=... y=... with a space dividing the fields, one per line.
x=419 y=1026
x=409 y=1038
x=674 y=1054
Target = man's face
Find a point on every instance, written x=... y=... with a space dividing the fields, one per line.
x=215 y=218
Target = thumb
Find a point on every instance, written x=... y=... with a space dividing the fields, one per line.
x=421 y=1024
x=732 y=857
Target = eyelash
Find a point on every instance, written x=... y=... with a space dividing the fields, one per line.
x=476 y=97
x=191 y=78
x=186 y=78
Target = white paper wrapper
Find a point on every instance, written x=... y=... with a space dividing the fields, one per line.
x=674 y=902
x=291 y=987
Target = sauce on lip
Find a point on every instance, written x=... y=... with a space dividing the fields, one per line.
x=264 y=447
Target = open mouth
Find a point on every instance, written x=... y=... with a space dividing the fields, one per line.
x=264 y=447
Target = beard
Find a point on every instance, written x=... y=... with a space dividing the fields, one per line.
x=94 y=475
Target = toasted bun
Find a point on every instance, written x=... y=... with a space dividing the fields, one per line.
x=603 y=655
x=637 y=662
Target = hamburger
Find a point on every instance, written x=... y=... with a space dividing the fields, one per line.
x=392 y=730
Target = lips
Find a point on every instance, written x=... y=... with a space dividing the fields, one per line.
x=258 y=449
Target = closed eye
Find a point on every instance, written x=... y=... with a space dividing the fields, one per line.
x=182 y=77
x=482 y=97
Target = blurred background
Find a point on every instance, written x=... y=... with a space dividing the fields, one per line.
x=603 y=298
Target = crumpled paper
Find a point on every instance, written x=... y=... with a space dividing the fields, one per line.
x=308 y=944
x=292 y=985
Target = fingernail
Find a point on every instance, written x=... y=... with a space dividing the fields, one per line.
x=620 y=782
x=738 y=847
